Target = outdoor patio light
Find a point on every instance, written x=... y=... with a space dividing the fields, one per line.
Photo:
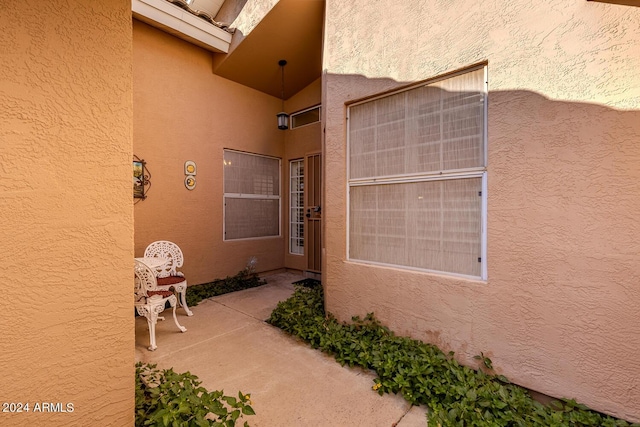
x=283 y=118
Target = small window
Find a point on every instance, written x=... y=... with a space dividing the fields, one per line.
x=305 y=117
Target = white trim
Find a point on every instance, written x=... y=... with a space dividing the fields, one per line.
x=251 y=154
x=297 y=113
x=174 y=20
x=483 y=232
x=486 y=116
x=319 y=106
x=348 y=183
x=251 y=196
x=291 y=207
x=417 y=85
x=485 y=185
x=252 y=238
x=416 y=269
x=435 y=176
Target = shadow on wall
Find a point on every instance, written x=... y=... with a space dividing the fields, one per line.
x=573 y=167
x=563 y=234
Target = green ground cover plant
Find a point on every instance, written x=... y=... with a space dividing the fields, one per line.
x=455 y=395
x=166 y=398
x=245 y=279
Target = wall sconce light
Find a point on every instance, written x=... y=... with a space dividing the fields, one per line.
x=283 y=121
x=283 y=118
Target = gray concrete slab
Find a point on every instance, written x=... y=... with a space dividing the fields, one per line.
x=416 y=417
x=230 y=347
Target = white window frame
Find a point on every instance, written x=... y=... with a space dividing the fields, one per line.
x=293 y=223
x=478 y=172
x=252 y=196
x=297 y=113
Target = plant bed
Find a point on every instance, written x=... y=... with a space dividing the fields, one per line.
x=455 y=395
x=167 y=398
x=308 y=283
x=245 y=279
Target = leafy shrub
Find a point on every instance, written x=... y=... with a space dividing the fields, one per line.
x=456 y=395
x=245 y=279
x=166 y=398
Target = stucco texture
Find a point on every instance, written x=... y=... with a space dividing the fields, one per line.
x=66 y=208
x=558 y=313
x=182 y=111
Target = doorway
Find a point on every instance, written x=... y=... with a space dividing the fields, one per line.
x=313 y=212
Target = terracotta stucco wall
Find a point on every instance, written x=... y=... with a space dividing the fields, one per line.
x=66 y=209
x=298 y=143
x=558 y=313
x=182 y=111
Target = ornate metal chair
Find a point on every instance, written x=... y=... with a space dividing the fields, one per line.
x=168 y=276
x=150 y=301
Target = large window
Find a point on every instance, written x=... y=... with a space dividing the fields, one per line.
x=296 y=207
x=251 y=196
x=417 y=177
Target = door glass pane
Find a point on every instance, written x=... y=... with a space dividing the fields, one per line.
x=296 y=207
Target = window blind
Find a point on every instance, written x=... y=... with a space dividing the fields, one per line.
x=416 y=170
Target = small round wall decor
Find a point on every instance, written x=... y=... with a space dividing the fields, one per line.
x=190 y=167
x=190 y=172
x=190 y=182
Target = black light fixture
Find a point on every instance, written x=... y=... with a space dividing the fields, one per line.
x=283 y=118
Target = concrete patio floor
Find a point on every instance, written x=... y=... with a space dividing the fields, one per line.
x=229 y=347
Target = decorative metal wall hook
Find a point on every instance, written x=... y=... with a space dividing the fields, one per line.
x=141 y=179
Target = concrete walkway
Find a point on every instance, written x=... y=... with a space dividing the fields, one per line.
x=230 y=347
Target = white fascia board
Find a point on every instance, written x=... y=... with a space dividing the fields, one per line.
x=182 y=24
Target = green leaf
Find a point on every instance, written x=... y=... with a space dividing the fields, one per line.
x=500 y=404
x=230 y=400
